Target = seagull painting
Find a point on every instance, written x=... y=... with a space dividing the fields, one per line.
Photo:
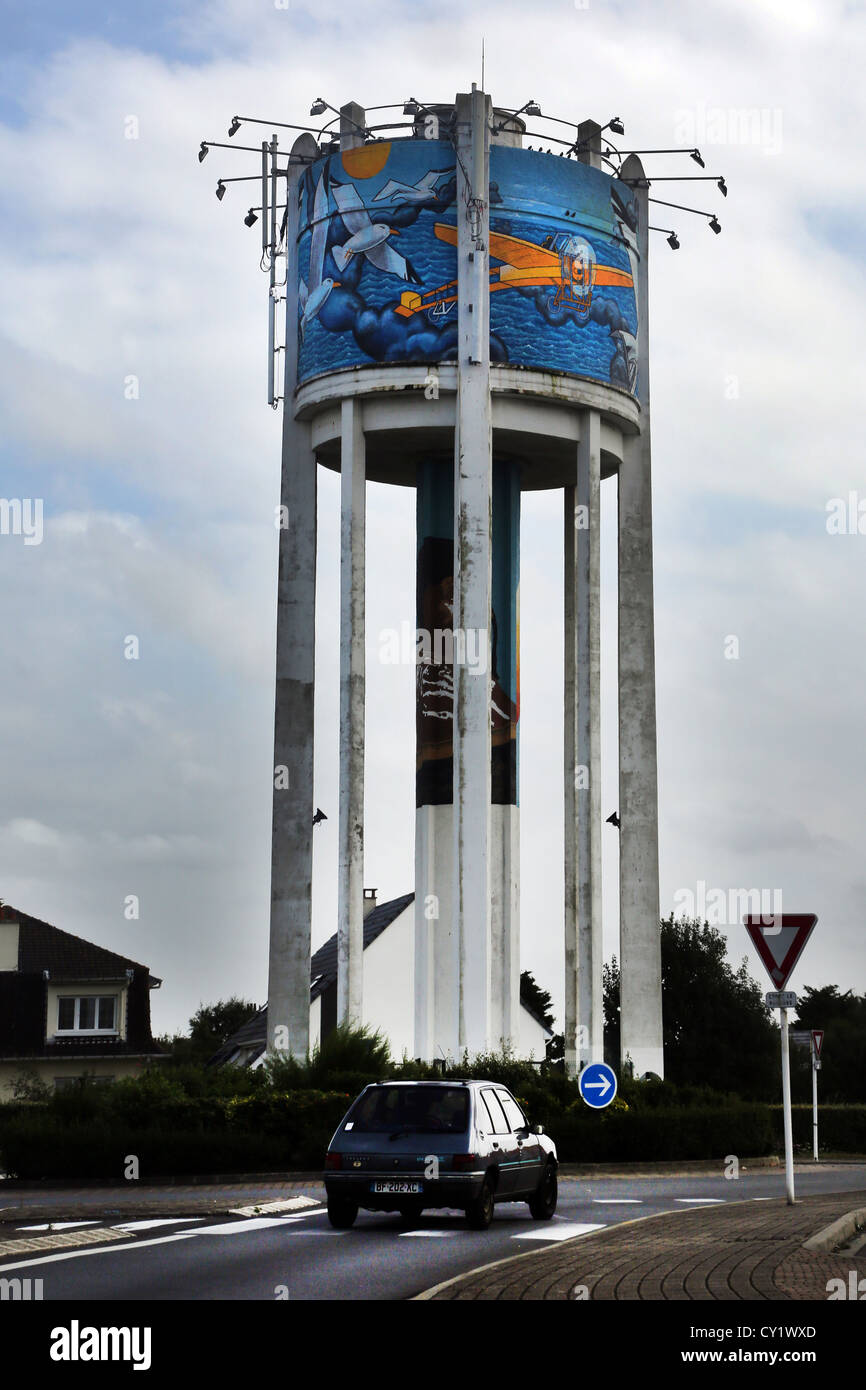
x=367 y=238
x=313 y=294
x=397 y=192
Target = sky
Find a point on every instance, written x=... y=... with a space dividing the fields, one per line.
x=133 y=398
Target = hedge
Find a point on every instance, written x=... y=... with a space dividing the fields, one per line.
x=90 y=1134
x=650 y=1135
x=268 y=1133
x=841 y=1128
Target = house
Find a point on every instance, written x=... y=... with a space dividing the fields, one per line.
x=389 y=999
x=69 y=1008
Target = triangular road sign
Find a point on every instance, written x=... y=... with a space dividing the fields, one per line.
x=779 y=941
x=817 y=1040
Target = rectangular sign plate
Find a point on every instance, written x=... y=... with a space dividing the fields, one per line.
x=781 y=999
x=392 y=1185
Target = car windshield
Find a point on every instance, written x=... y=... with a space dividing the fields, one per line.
x=412 y=1110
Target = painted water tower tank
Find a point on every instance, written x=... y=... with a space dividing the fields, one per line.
x=377 y=292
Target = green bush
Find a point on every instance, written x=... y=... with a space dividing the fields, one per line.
x=841 y=1128
x=271 y=1132
x=654 y=1134
x=280 y=1117
x=35 y=1147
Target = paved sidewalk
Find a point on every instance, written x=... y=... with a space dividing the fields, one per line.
x=742 y=1250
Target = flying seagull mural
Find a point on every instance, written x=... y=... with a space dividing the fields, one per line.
x=367 y=238
x=395 y=191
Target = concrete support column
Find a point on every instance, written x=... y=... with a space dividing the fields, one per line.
x=437 y=960
x=292 y=825
x=504 y=771
x=353 y=119
x=505 y=926
x=472 y=574
x=350 y=907
x=641 y=1035
x=588 y=538
x=584 y=1017
x=569 y=742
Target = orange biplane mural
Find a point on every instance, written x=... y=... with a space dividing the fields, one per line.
x=564 y=261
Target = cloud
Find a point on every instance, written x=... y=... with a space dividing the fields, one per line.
x=153 y=776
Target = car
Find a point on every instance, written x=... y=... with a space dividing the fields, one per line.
x=408 y=1145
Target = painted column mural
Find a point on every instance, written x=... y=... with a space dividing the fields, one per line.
x=438 y=646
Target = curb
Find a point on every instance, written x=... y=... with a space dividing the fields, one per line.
x=837 y=1232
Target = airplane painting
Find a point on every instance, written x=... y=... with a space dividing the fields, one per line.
x=564 y=261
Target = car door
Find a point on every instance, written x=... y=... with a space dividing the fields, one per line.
x=506 y=1149
x=527 y=1144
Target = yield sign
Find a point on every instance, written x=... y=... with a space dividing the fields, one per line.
x=817 y=1040
x=779 y=940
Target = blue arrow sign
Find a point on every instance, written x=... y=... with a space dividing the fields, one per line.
x=597 y=1084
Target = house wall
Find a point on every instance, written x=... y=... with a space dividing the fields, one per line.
x=389 y=989
x=9 y=945
x=47 y=1069
x=533 y=1038
x=315 y=1022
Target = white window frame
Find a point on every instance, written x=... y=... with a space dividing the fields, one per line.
x=75 y=1031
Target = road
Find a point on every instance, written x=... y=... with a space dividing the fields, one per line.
x=298 y=1256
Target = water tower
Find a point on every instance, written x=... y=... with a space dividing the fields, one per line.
x=467 y=316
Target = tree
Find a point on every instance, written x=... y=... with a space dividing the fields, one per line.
x=717 y=1030
x=843 y=1055
x=538 y=999
x=210 y=1026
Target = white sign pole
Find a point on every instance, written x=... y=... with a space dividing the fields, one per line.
x=814 y=1103
x=786 y=1103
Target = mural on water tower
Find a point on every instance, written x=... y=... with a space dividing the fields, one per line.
x=377 y=262
x=439 y=647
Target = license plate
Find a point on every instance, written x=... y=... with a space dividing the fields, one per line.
x=391 y=1185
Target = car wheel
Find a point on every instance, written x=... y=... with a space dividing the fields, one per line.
x=479 y=1213
x=542 y=1204
x=342 y=1212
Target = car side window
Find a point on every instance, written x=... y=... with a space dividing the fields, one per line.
x=513 y=1113
x=483 y=1119
x=497 y=1116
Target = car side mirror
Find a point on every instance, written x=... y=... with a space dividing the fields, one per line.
x=538 y=1129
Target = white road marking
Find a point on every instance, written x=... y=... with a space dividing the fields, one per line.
x=305 y=1231
x=227 y=1228
x=619 y=1201
x=286 y=1204
x=566 y=1231
x=701 y=1201
x=149 y=1225
x=57 y=1226
x=98 y=1250
x=239 y=1228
